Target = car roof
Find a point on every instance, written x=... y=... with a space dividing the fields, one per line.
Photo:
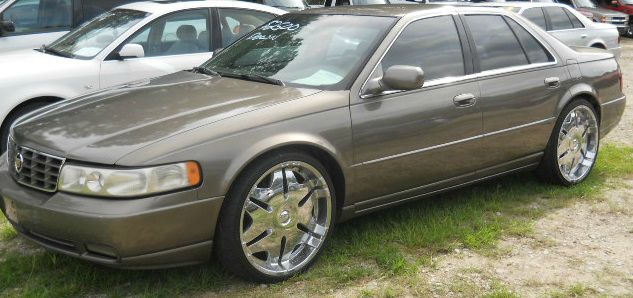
x=165 y=6
x=397 y=10
x=520 y=4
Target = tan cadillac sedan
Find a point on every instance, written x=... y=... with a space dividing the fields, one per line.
x=313 y=118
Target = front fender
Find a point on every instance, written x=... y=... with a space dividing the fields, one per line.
x=272 y=143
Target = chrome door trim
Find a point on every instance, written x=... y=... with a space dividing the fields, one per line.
x=451 y=80
x=481 y=136
x=613 y=101
x=476 y=180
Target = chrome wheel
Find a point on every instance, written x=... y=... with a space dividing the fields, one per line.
x=285 y=218
x=577 y=143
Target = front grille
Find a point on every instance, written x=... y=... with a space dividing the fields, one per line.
x=617 y=21
x=33 y=168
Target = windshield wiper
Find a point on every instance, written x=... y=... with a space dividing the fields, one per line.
x=48 y=50
x=254 y=78
x=204 y=70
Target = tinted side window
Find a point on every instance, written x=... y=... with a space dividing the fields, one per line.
x=536 y=16
x=439 y=55
x=496 y=45
x=175 y=34
x=235 y=23
x=559 y=18
x=534 y=50
x=574 y=20
x=34 y=16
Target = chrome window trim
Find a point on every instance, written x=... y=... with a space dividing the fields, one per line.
x=481 y=136
x=451 y=80
x=362 y=87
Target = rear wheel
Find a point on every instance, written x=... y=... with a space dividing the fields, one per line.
x=573 y=147
x=277 y=218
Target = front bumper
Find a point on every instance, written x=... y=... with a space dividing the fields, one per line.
x=155 y=232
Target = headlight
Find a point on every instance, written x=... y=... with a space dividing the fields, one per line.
x=128 y=182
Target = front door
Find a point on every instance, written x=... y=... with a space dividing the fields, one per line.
x=172 y=43
x=404 y=141
x=37 y=22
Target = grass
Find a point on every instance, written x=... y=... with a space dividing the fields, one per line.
x=392 y=243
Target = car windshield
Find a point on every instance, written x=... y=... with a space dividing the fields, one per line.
x=585 y=3
x=627 y=1
x=90 y=39
x=309 y=50
x=286 y=3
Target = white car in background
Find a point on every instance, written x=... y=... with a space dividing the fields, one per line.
x=31 y=23
x=567 y=25
x=129 y=43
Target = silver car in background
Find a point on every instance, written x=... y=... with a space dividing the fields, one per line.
x=598 y=14
x=567 y=25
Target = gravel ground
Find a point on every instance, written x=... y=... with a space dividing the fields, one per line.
x=623 y=134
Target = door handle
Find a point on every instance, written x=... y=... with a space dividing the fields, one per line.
x=583 y=36
x=552 y=82
x=465 y=100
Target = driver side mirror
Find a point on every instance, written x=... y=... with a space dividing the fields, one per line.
x=132 y=50
x=7 y=26
x=396 y=78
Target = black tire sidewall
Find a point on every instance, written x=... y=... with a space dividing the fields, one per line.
x=551 y=167
x=227 y=244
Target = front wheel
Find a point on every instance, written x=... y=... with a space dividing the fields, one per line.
x=277 y=218
x=573 y=147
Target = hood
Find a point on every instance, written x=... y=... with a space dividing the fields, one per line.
x=105 y=126
x=626 y=8
x=28 y=62
x=598 y=11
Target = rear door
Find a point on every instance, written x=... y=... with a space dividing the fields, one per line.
x=520 y=84
x=404 y=141
x=565 y=27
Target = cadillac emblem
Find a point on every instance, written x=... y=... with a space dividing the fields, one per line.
x=18 y=163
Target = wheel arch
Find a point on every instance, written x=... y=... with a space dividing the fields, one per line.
x=580 y=91
x=35 y=100
x=598 y=45
x=317 y=148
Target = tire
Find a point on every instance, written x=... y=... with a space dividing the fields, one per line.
x=573 y=147
x=296 y=216
x=12 y=117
